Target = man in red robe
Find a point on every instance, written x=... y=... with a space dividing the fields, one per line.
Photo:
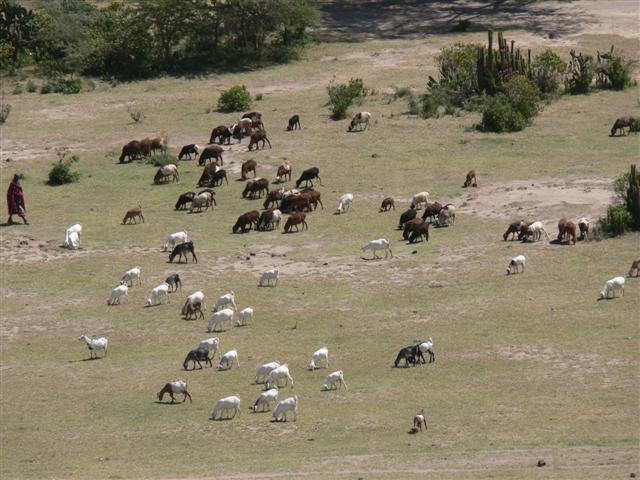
x=15 y=201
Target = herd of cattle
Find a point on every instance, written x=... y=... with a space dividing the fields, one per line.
x=296 y=202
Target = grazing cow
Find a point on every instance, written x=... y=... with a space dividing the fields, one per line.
x=258 y=136
x=360 y=119
x=623 y=122
x=132 y=150
x=471 y=180
x=222 y=133
x=209 y=152
x=257 y=185
x=294 y=123
x=294 y=220
x=248 y=166
x=181 y=250
x=169 y=171
x=188 y=150
x=308 y=175
x=246 y=221
x=387 y=204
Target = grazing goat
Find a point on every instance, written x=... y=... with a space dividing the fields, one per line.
x=283 y=407
x=419 y=420
x=184 y=199
x=192 y=310
x=387 y=204
x=535 y=231
x=420 y=198
x=131 y=275
x=313 y=196
x=175 y=239
x=295 y=203
x=224 y=315
x=447 y=216
x=194 y=298
x=248 y=166
x=116 y=293
x=72 y=236
x=95 y=344
x=269 y=219
x=583 y=225
x=132 y=150
x=470 y=180
x=408 y=355
x=567 y=229
x=264 y=370
x=257 y=185
x=254 y=116
x=294 y=220
x=319 y=359
x=258 y=136
x=265 y=400
x=217 y=178
x=360 y=119
x=224 y=405
x=332 y=379
x=431 y=211
x=623 y=122
x=173 y=388
x=419 y=231
x=410 y=225
x=269 y=276
x=133 y=214
x=308 y=175
x=208 y=172
x=277 y=374
x=181 y=251
x=228 y=360
x=225 y=300
x=425 y=347
x=196 y=357
x=152 y=145
x=157 y=294
x=515 y=264
x=406 y=216
x=612 y=288
x=243 y=316
x=380 y=244
x=246 y=221
x=345 y=202
x=188 y=150
x=210 y=345
x=294 y=123
x=174 y=282
x=169 y=171
x=634 y=271
x=202 y=200
x=273 y=197
x=222 y=133
x=515 y=228
x=284 y=172
x=209 y=152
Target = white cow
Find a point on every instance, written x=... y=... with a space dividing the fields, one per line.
x=278 y=374
x=158 y=293
x=224 y=405
x=224 y=300
x=265 y=400
x=228 y=360
x=515 y=264
x=612 y=288
x=269 y=276
x=332 y=379
x=72 y=236
x=264 y=370
x=116 y=293
x=174 y=239
x=345 y=202
x=320 y=357
x=244 y=315
x=286 y=405
x=224 y=315
x=380 y=244
x=131 y=275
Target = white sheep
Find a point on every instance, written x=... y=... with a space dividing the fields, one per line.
x=278 y=374
x=611 y=288
x=264 y=370
x=345 y=202
x=380 y=244
x=244 y=315
x=72 y=236
x=332 y=379
x=95 y=344
x=284 y=406
x=159 y=292
x=116 y=293
x=131 y=275
x=174 y=239
x=228 y=360
x=420 y=198
x=224 y=315
x=535 y=230
x=515 y=264
x=224 y=405
x=265 y=400
x=319 y=357
x=224 y=300
x=211 y=345
x=269 y=276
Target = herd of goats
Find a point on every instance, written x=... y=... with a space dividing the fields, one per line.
x=295 y=202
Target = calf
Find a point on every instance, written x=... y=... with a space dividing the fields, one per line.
x=294 y=123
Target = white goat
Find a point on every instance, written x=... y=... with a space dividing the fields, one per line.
x=320 y=357
x=224 y=315
x=72 y=236
x=158 y=293
x=224 y=405
x=131 y=275
x=116 y=293
x=178 y=386
x=420 y=198
x=174 y=239
x=210 y=345
x=265 y=400
x=244 y=315
x=228 y=360
x=583 y=225
x=204 y=199
x=269 y=276
x=95 y=344
x=535 y=230
x=332 y=379
x=380 y=244
x=196 y=297
x=278 y=374
x=264 y=370
x=360 y=118
x=447 y=216
x=427 y=347
x=345 y=202
x=224 y=300
x=611 y=288
x=287 y=405
x=515 y=264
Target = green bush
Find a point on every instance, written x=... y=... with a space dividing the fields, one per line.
x=18 y=89
x=236 y=99
x=581 y=70
x=65 y=86
x=617 y=221
x=613 y=71
x=46 y=88
x=31 y=86
x=458 y=68
x=523 y=95
x=5 y=110
x=61 y=173
x=160 y=159
x=342 y=96
x=548 y=69
x=499 y=115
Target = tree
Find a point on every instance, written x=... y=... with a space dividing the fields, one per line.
x=17 y=27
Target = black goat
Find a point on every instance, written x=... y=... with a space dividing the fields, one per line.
x=197 y=356
x=188 y=150
x=181 y=250
x=408 y=354
x=184 y=199
x=294 y=123
x=406 y=216
x=174 y=282
x=420 y=230
x=308 y=175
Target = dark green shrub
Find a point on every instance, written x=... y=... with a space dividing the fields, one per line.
x=523 y=94
x=236 y=99
x=617 y=221
x=31 y=86
x=5 y=110
x=68 y=86
x=581 y=70
x=499 y=115
x=61 y=173
x=458 y=70
x=548 y=71
x=160 y=159
x=613 y=71
x=342 y=96
x=46 y=88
